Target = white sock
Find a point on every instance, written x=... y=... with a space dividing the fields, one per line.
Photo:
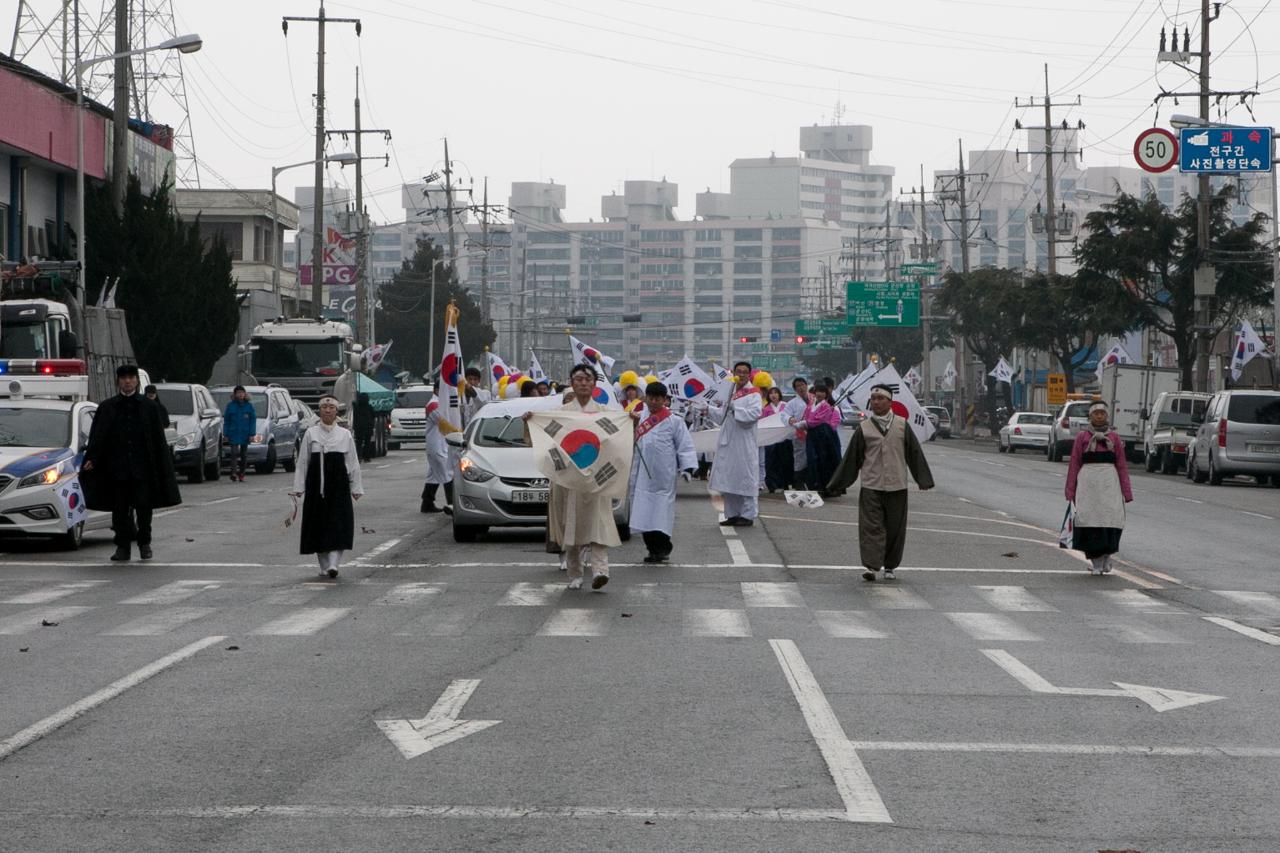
x=335 y=557
x=323 y=559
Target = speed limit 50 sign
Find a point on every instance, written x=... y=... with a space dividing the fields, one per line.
x=1156 y=149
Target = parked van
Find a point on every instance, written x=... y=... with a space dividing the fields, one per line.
x=1240 y=434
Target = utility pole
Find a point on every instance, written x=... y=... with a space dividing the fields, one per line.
x=1205 y=274
x=120 y=112
x=484 y=258
x=363 y=302
x=448 y=203
x=926 y=377
x=317 y=219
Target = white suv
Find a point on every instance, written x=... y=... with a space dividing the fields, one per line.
x=1071 y=418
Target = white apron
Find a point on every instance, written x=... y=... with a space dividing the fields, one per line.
x=1099 y=501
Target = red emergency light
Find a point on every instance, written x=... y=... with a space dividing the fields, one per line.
x=42 y=366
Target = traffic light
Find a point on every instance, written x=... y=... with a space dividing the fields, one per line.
x=747 y=339
x=801 y=339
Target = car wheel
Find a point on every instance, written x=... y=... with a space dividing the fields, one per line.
x=1199 y=476
x=1275 y=481
x=1168 y=462
x=70 y=541
x=393 y=445
x=1013 y=449
x=268 y=466
x=465 y=532
x=624 y=532
x=1215 y=476
x=1150 y=461
x=213 y=469
x=1000 y=448
x=196 y=474
x=291 y=464
x=1191 y=462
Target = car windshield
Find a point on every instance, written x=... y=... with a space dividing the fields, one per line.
x=177 y=401
x=1182 y=412
x=412 y=399
x=222 y=397
x=1254 y=409
x=297 y=358
x=501 y=432
x=1078 y=410
x=1035 y=420
x=24 y=340
x=21 y=427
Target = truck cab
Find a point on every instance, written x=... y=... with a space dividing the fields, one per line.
x=307 y=357
x=1169 y=427
x=36 y=328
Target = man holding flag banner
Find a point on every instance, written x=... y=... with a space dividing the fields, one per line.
x=586 y=453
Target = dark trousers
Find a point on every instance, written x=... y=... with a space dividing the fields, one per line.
x=429 y=493
x=131 y=515
x=822 y=450
x=882 y=528
x=364 y=445
x=658 y=543
x=239 y=458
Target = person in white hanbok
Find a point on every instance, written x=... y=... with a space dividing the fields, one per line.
x=735 y=474
x=328 y=480
x=793 y=414
x=664 y=454
x=439 y=463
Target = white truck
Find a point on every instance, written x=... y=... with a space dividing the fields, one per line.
x=1130 y=390
x=1169 y=427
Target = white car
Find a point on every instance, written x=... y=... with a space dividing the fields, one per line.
x=409 y=417
x=1026 y=429
x=496 y=481
x=41 y=444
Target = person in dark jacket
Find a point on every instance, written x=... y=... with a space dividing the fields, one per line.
x=362 y=426
x=239 y=423
x=128 y=466
x=154 y=396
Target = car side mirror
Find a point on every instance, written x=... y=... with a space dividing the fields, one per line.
x=68 y=343
x=455 y=439
x=210 y=413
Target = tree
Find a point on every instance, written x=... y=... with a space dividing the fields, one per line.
x=178 y=294
x=1147 y=252
x=986 y=306
x=1063 y=315
x=404 y=312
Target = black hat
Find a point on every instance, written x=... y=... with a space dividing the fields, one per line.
x=126 y=370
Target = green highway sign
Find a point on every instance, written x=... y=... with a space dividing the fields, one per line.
x=826 y=327
x=883 y=303
x=919 y=269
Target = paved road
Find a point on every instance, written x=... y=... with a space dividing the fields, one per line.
x=753 y=695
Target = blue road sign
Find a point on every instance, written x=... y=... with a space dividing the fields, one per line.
x=775 y=335
x=1225 y=149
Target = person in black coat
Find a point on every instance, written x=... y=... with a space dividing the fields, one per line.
x=362 y=416
x=128 y=466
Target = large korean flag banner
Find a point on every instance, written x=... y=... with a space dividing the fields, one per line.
x=72 y=498
x=584 y=354
x=905 y=404
x=690 y=381
x=586 y=452
x=451 y=368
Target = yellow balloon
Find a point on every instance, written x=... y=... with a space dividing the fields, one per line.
x=502 y=386
x=763 y=380
x=629 y=377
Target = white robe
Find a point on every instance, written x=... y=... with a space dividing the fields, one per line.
x=661 y=454
x=737 y=465
x=439 y=469
x=793 y=413
x=336 y=439
x=581 y=518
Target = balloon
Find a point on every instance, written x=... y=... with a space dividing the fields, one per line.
x=629 y=377
x=762 y=380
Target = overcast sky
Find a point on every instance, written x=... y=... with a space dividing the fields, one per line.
x=594 y=92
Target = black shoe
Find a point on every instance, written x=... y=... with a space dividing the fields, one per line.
x=426 y=507
x=868 y=575
x=333 y=573
x=144 y=551
x=652 y=558
x=121 y=554
x=731 y=522
x=743 y=522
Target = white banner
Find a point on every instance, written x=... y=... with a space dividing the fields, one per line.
x=770 y=430
x=584 y=451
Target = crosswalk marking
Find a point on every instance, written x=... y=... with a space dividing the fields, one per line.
x=1130 y=631
x=412 y=593
x=302 y=593
x=1135 y=599
x=574 y=622
x=895 y=598
x=848 y=624
x=992 y=626
x=772 y=595
x=532 y=594
x=30 y=620
x=302 y=622
x=172 y=593
x=716 y=623
x=52 y=593
x=1013 y=599
x=159 y=623
x=1263 y=602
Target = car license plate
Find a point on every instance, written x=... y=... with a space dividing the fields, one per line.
x=531 y=496
x=1263 y=448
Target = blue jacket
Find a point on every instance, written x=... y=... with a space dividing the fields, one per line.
x=239 y=422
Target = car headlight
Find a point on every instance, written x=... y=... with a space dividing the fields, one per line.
x=49 y=476
x=257 y=439
x=187 y=440
x=473 y=473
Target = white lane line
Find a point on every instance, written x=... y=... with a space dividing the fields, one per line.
x=574 y=622
x=379 y=551
x=162 y=513
x=1070 y=749
x=964 y=500
x=1134 y=579
x=728 y=531
x=387 y=465
x=1013 y=599
x=1245 y=630
x=159 y=623
x=412 y=593
x=1187 y=500
x=848 y=624
x=52 y=593
x=861 y=799
x=1134 y=599
x=174 y=592
x=1257 y=515
x=301 y=623
x=989 y=626
x=408 y=462
x=220 y=501
x=894 y=598
x=294 y=595
x=1046 y=542
x=531 y=594
x=901 y=569
x=1135 y=632
x=55 y=721
x=1263 y=602
x=455 y=812
x=30 y=620
x=738 y=552
x=772 y=595
x=716 y=623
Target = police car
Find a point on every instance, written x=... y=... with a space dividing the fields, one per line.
x=45 y=417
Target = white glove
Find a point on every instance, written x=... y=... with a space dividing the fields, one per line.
x=687 y=476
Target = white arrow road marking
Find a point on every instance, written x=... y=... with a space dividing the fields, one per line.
x=1159 y=698
x=441 y=724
